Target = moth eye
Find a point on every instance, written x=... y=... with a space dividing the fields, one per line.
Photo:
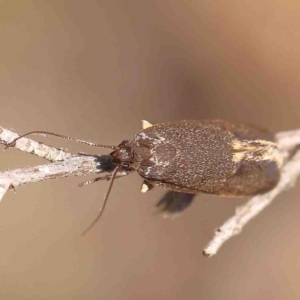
x=115 y=161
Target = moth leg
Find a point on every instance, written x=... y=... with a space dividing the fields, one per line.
x=146 y=186
x=106 y=177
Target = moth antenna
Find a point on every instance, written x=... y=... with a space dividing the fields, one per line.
x=11 y=144
x=105 y=200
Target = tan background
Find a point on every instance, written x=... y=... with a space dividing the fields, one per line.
x=93 y=70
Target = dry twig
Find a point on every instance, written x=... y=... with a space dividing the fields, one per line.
x=62 y=164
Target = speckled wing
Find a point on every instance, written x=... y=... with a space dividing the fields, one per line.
x=212 y=156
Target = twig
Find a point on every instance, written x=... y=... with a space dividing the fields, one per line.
x=63 y=164
x=287 y=143
x=32 y=147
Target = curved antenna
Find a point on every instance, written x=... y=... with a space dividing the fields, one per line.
x=113 y=176
x=11 y=144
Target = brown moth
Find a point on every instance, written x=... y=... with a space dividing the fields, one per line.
x=210 y=156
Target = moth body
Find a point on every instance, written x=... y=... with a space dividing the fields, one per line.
x=210 y=156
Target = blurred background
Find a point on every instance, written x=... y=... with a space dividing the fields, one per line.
x=94 y=70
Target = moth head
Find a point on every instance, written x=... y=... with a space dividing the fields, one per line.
x=123 y=154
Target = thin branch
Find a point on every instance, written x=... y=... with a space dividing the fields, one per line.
x=63 y=164
x=32 y=147
x=288 y=140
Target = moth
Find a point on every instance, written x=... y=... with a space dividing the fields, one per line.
x=209 y=156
